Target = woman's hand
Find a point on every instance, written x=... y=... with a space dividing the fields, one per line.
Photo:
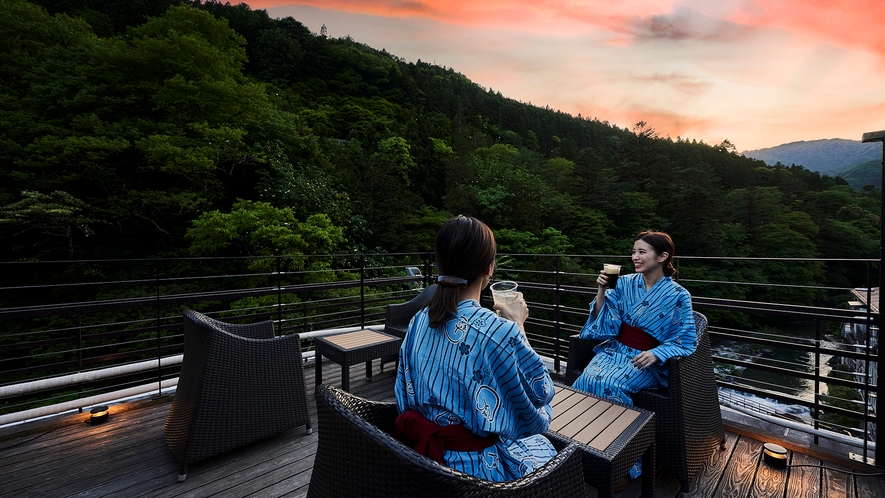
x=517 y=311
x=602 y=280
x=644 y=360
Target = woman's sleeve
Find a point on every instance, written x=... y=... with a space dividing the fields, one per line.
x=681 y=337
x=526 y=388
x=608 y=323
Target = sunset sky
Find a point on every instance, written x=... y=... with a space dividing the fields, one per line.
x=758 y=73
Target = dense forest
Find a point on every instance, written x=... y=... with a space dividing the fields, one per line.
x=168 y=128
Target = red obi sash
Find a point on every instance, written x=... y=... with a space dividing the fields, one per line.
x=432 y=440
x=636 y=338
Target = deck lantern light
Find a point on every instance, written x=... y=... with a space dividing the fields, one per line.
x=98 y=414
x=774 y=455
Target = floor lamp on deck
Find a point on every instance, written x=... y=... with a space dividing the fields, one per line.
x=879 y=136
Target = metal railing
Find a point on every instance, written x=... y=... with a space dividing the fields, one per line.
x=76 y=331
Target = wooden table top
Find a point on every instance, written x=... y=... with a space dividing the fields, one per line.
x=588 y=419
x=358 y=339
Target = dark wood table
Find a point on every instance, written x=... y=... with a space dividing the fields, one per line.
x=612 y=436
x=351 y=348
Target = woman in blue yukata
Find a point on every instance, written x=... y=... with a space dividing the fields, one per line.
x=472 y=394
x=647 y=319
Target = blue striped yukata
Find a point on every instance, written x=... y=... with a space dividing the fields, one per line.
x=479 y=370
x=664 y=312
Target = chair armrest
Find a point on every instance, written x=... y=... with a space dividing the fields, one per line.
x=580 y=352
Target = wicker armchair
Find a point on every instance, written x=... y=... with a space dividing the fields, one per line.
x=357 y=457
x=399 y=315
x=689 y=420
x=238 y=384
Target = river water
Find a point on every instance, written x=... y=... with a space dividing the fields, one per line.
x=791 y=359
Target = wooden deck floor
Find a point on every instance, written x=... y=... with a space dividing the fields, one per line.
x=126 y=456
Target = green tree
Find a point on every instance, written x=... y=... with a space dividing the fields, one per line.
x=259 y=229
x=58 y=214
x=148 y=127
x=26 y=33
x=305 y=190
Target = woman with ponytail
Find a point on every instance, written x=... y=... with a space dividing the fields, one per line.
x=471 y=392
x=647 y=319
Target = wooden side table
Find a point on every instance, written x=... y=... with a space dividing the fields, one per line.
x=612 y=436
x=351 y=348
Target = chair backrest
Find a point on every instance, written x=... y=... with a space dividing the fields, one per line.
x=700 y=324
x=225 y=365
x=357 y=457
x=398 y=315
x=260 y=330
x=697 y=366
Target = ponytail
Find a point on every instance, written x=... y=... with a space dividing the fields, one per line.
x=465 y=249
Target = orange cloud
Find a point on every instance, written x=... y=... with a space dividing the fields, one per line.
x=535 y=15
x=847 y=23
x=854 y=23
x=665 y=123
x=683 y=83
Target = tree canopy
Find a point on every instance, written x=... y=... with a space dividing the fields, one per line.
x=149 y=123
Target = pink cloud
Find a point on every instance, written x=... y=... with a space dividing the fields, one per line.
x=847 y=23
x=533 y=15
x=854 y=23
x=683 y=83
x=665 y=123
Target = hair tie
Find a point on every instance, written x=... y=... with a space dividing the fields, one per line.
x=447 y=280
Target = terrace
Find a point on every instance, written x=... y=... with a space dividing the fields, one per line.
x=70 y=343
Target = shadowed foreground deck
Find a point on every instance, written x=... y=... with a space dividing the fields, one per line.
x=126 y=456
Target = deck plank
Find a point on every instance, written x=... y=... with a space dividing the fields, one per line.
x=804 y=482
x=126 y=456
x=837 y=484
x=870 y=486
x=705 y=483
x=738 y=476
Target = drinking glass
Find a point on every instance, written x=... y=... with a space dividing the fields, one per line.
x=504 y=292
x=612 y=272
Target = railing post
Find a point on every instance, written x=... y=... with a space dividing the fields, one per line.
x=879 y=455
x=866 y=377
x=880 y=358
x=817 y=339
x=279 y=299
x=880 y=354
x=79 y=353
x=428 y=268
x=557 y=349
x=304 y=310
x=159 y=339
x=678 y=270
x=362 y=291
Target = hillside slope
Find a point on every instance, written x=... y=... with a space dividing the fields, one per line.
x=828 y=156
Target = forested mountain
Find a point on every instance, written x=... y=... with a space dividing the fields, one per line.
x=828 y=157
x=155 y=128
x=867 y=173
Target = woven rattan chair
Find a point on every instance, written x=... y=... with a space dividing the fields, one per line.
x=357 y=457
x=396 y=323
x=689 y=420
x=238 y=384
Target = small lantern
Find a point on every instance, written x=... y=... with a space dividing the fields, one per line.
x=98 y=414
x=774 y=455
